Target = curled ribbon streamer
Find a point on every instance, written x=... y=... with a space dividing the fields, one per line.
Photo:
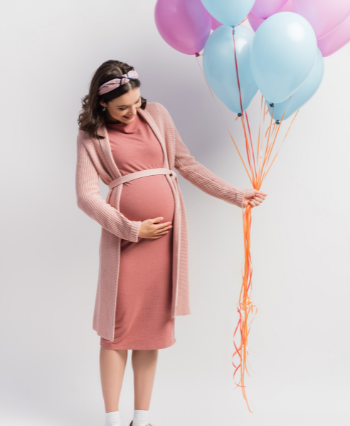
x=256 y=174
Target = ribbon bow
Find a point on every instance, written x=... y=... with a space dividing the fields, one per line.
x=118 y=81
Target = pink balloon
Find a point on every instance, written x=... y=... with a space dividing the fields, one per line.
x=184 y=24
x=255 y=22
x=323 y=15
x=265 y=8
x=336 y=39
x=288 y=7
x=214 y=23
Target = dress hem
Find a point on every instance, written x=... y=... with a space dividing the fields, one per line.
x=137 y=349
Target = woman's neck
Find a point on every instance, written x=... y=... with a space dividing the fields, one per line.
x=109 y=119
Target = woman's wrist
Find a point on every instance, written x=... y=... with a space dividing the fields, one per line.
x=134 y=231
x=240 y=193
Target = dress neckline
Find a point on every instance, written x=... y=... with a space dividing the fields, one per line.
x=126 y=128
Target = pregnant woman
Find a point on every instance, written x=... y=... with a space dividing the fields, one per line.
x=133 y=146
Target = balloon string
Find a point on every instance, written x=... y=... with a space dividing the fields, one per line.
x=240 y=100
x=245 y=306
x=261 y=126
x=267 y=148
x=244 y=114
x=281 y=143
x=250 y=139
x=236 y=64
x=242 y=309
x=247 y=147
x=276 y=130
x=222 y=116
x=290 y=125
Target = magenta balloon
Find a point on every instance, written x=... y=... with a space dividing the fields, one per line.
x=255 y=22
x=215 y=23
x=265 y=8
x=184 y=24
x=323 y=15
x=336 y=39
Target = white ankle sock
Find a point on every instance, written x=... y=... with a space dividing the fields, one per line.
x=113 y=419
x=140 y=417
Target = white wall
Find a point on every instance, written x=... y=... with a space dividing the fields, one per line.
x=299 y=347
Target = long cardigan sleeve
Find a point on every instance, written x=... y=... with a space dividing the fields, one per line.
x=91 y=202
x=199 y=175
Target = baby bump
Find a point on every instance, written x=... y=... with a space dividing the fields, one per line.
x=147 y=198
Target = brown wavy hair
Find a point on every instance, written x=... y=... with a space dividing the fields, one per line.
x=92 y=115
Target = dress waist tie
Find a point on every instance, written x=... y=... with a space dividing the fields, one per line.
x=139 y=174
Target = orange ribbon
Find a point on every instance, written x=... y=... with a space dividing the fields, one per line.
x=257 y=170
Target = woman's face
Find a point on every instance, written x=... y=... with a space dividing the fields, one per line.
x=124 y=107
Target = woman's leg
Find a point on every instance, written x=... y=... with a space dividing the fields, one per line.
x=112 y=367
x=144 y=363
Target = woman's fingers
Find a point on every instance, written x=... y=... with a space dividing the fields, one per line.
x=254 y=202
x=253 y=198
x=160 y=234
x=163 y=229
x=251 y=193
x=258 y=194
x=163 y=226
x=257 y=198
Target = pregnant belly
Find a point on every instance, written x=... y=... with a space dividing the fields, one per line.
x=147 y=198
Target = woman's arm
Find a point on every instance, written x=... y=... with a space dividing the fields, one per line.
x=90 y=201
x=199 y=175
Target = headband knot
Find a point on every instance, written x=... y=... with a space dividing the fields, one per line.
x=118 y=81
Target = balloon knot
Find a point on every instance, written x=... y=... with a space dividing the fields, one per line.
x=272 y=105
x=239 y=114
x=197 y=54
x=278 y=122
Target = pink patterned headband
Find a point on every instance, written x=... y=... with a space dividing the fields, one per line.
x=118 y=81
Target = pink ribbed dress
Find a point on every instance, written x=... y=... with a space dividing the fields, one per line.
x=143 y=315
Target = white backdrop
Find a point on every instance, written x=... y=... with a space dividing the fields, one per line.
x=299 y=348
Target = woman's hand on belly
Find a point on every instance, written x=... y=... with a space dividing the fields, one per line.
x=150 y=229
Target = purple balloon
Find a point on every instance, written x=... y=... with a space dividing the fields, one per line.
x=184 y=24
x=336 y=39
x=265 y=8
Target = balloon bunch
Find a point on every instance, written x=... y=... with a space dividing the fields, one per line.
x=330 y=20
x=283 y=59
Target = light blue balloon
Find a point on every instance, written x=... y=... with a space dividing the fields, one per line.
x=303 y=94
x=283 y=53
x=220 y=69
x=229 y=12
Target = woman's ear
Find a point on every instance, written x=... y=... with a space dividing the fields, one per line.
x=103 y=104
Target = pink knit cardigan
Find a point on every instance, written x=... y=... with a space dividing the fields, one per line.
x=94 y=160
